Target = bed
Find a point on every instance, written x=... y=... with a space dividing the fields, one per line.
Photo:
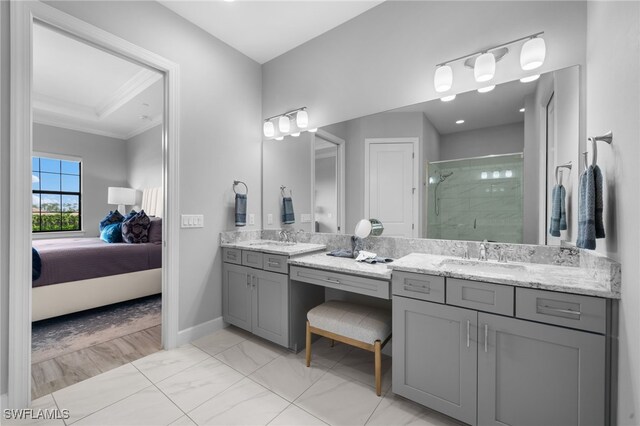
x=85 y=273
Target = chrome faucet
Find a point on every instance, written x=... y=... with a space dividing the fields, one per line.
x=483 y=251
x=465 y=252
x=502 y=255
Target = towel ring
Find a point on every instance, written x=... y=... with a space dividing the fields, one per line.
x=607 y=137
x=567 y=165
x=282 y=188
x=238 y=182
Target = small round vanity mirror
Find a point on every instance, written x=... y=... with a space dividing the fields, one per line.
x=363 y=228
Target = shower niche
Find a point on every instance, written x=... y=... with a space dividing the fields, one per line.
x=476 y=199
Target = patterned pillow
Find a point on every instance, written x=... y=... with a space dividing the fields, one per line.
x=112 y=233
x=112 y=217
x=136 y=229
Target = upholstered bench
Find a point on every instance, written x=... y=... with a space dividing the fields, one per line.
x=364 y=327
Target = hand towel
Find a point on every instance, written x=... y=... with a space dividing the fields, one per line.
x=241 y=209
x=357 y=244
x=599 y=203
x=288 y=217
x=558 y=220
x=587 y=210
x=362 y=255
x=341 y=253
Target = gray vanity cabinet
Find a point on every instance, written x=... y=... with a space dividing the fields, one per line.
x=532 y=374
x=435 y=356
x=270 y=306
x=236 y=295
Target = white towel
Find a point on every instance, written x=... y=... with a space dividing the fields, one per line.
x=363 y=255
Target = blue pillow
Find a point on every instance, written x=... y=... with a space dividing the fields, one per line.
x=129 y=215
x=112 y=217
x=112 y=233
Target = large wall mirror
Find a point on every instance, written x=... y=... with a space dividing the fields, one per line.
x=479 y=167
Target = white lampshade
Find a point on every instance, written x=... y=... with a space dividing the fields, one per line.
x=485 y=67
x=443 y=79
x=302 y=119
x=533 y=53
x=268 y=129
x=284 y=124
x=121 y=196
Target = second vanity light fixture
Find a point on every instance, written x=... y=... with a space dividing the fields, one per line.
x=483 y=62
x=299 y=116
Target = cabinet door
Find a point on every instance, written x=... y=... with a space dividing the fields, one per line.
x=533 y=374
x=236 y=295
x=435 y=356
x=270 y=313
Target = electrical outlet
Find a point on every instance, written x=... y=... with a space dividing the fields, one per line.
x=305 y=218
x=252 y=219
x=192 y=221
x=270 y=219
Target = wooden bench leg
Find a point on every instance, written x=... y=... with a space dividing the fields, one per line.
x=333 y=343
x=378 y=366
x=308 y=344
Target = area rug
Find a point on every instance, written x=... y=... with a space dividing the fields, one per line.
x=69 y=333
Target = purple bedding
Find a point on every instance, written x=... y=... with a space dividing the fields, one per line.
x=74 y=259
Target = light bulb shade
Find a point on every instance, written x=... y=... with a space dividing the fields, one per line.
x=443 y=79
x=485 y=67
x=296 y=134
x=530 y=78
x=302 y=119
x=279 y=138
x=448 y=98
x=117 y=195
x=486 y=89
x=268 y=129
x=315 y=129
x=533 y=53
x=284 y=125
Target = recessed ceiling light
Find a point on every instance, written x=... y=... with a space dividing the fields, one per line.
x=486 y=89
x=448 y=98
x=521 y=109
x=530 y=78
x=460 y=122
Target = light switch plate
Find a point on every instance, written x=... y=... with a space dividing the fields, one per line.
x=252 y=219
x=270 y=219
x=192 y=221
x=305 y=218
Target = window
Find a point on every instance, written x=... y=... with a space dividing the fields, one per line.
x=56 y=195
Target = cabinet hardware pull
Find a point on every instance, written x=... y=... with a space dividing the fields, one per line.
x=468 y=326
x=254 y=279
x=331 y=280
x=248 y=280
x=273 y=263
x=486 y=336
x=563 y=311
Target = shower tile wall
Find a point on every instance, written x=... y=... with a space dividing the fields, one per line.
x=481 y=199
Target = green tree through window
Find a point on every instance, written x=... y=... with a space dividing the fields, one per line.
x=56 y=195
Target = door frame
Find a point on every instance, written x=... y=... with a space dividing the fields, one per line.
x=22 y=17
x=417 y=223
x=341 y=184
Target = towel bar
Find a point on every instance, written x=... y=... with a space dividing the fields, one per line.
x=607 y=137
x=567 y=165
x=238 y=182
x=282 y=188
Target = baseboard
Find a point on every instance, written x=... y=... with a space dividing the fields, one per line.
x=193 y=333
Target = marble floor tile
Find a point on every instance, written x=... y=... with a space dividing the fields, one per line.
x=193 y=386
x=323 y=353
x=221 y=340
x=288 y=376
x=149 y=407
x=183 y=421
x=161 y=365
x=245 y=403
x=249 y=355
x=45 y=403
x=339 y=400
x=100 y=391
x=296 y=416
x=395 y=410
x=360 y=365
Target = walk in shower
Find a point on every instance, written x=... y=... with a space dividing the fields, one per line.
x=476 y=199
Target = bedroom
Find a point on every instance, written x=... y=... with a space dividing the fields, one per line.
x=97 y=149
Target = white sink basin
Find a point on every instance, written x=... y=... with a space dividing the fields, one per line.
x=480 y=266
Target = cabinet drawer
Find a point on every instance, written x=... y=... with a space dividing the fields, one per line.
x=481 y=296
x=361 y=285
x=275 y=263
x=252 y=259
x=231 y=255
x=567 y=310
x=418 y=286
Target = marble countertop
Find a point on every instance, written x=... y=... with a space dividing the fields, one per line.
x=567 y=279
x=344 y=265
x=274 y=247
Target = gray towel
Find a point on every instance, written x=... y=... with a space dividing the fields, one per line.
x=558 y=211
x=241 y=209
x=378 y=259
x=341 y=253
x=599 y=203
x=357 y=244
x=288 y=217
x=587 y=210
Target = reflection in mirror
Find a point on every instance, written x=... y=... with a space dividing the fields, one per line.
x=479 y=167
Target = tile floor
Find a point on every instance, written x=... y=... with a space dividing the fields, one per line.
x=234 y=378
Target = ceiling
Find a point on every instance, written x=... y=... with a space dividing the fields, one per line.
x=478 y=110
x=265 y=29
x=79 y=87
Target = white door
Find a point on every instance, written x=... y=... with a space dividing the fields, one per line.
x=391 y=191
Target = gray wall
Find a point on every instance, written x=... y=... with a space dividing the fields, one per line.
x=103 y=165
x=4 y=193
x=495 y=140
x=144 y=160
x=613 y=37
x=220 y=130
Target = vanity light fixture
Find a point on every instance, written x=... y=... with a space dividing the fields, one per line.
x=300 y=118
x=508 y=173
x=530 y=78
x=448 y=98
x=496 y=174
x=485 y=67
x=296 y=134
x=486 y=89
x=443 y=79
x=460 y=122
x=284 y=124
x=268 y=129
x=533 y=53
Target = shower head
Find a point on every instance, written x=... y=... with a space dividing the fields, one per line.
x=439 y=177
x=443 y=176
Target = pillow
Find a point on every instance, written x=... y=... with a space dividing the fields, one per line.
x=136 y=229
x=112 y=233
x=155 y=230
x=129 y=215
x=112 y=217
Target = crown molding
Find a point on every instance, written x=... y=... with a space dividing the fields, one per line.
x=62 y=107
x=155 y=121
x=63 y=124
x=129 y=90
